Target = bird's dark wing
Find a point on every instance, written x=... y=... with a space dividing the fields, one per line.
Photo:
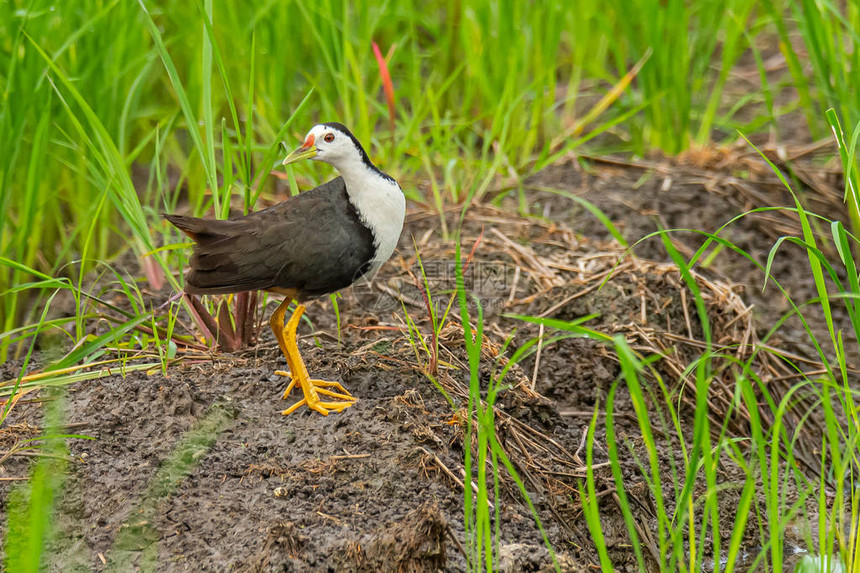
x=313 y=243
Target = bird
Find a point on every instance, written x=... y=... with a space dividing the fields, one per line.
x=313 y=244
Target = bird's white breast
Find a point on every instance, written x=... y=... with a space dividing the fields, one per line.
x=381 y=207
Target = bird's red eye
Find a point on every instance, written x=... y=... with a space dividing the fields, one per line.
x=329 y=137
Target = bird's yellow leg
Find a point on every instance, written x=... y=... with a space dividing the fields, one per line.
x=298 y=374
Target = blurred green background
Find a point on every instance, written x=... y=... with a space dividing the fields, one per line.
x=113 y=112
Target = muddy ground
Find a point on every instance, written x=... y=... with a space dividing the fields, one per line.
x=198 y=470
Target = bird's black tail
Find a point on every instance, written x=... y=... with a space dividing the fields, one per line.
x=220 y=263
x=201 y=230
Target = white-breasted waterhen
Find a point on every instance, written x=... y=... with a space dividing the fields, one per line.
x=312 y=244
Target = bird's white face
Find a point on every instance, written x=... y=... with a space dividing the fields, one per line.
x=332 y=146
x=326 y=143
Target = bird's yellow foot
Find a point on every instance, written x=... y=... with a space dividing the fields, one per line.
x=286 y=335
x=312 y=389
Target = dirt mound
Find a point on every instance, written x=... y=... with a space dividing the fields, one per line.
x=197 y=470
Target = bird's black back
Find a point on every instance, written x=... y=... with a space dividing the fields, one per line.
x=313 y=243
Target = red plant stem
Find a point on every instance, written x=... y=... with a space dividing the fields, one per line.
x=241 y=313
x=226 y=335
x=249 y=319
x=204 y=320
x=387 y=85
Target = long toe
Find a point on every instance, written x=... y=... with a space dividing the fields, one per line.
x=296 y=406
x=290 y=386
x=324 y=407
x=330 y=384
x=325 y=392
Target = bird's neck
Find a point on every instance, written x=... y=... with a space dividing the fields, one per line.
x=358 y=175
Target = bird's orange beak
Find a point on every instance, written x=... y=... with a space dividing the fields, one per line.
x=307 y=151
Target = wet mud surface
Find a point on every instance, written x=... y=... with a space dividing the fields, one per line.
x=198 y=471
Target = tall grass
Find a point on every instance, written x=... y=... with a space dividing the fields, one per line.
x=113 y=112
x=830 y=41
x=831 y=44
x=682 y=95
x=481 y=516
x=31 y=506
x=777 y=489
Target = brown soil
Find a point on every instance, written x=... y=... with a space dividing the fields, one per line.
x=198 y=471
